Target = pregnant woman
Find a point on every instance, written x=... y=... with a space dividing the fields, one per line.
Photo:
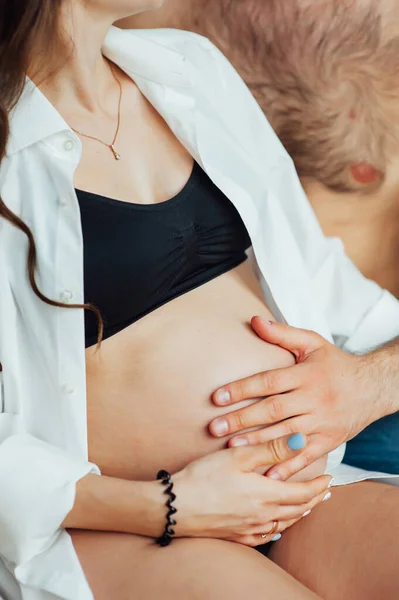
x=129 y=190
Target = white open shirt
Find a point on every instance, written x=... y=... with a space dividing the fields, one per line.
x=307 y=281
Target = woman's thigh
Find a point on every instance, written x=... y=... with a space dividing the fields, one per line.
x=348 y=548
x=128 y=567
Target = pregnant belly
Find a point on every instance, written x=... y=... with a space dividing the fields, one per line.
x=149 y=386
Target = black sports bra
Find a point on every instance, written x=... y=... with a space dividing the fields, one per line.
x=137 y=257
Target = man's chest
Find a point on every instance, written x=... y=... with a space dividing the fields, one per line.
x=372 y=243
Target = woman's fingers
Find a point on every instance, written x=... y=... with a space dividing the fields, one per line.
x=274 y=452
x=285 y=513
x=260 y=535
x=294 y=494
x=256 y=537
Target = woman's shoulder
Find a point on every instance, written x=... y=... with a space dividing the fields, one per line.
x=163 y=48
x=210 y=69
x=176 y=39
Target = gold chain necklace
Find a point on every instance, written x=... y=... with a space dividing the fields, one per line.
x=117 y=156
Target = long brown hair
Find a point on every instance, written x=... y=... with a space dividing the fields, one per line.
x=27 y=28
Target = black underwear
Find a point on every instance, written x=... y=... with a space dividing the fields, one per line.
x=137 y=257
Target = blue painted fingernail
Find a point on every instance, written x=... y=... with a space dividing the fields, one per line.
x=296 y=442
x=277 y=537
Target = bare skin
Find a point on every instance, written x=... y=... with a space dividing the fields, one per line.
x=126 y=567
x=174 y=13
x=365 y=565
x=153 y=381
x=345 y=549
x=368 y=225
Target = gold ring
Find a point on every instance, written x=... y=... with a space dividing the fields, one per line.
x=273 y=530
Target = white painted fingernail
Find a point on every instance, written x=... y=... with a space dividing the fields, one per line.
x=327 y=496
x=223 y=397
x=277 y=537
x=305 y=514
x=239 y=442
x=332 y=482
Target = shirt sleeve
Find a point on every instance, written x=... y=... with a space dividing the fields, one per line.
x=37 y=477
x=359 y=314
x=38 y=485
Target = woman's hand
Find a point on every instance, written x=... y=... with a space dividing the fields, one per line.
x=220 y=496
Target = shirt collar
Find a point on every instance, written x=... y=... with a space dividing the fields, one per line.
x=142 y=53
x=139 y=53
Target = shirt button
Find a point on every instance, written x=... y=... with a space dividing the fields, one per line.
x=66 y=296
x=67 y=389
x=69 y=145
x=63 y=201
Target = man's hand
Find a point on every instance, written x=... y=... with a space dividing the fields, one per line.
x=328 y=395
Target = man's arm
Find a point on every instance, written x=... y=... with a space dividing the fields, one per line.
x=383 y=365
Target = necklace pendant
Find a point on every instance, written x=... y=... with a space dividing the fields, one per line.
x=115 y=153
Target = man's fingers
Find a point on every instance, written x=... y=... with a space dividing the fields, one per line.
x=297 y=463
x=268 y=383
x=274 y=452
x=265 y=412
x=261 y=436
x=300 y=342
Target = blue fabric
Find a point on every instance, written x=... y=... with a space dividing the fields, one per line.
x=377 y=447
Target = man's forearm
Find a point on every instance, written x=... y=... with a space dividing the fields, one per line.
x=383 y=365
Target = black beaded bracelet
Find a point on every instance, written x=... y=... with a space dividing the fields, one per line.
x=166 y=537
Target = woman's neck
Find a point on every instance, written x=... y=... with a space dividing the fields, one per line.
x=179 y=14
x=83 y=79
